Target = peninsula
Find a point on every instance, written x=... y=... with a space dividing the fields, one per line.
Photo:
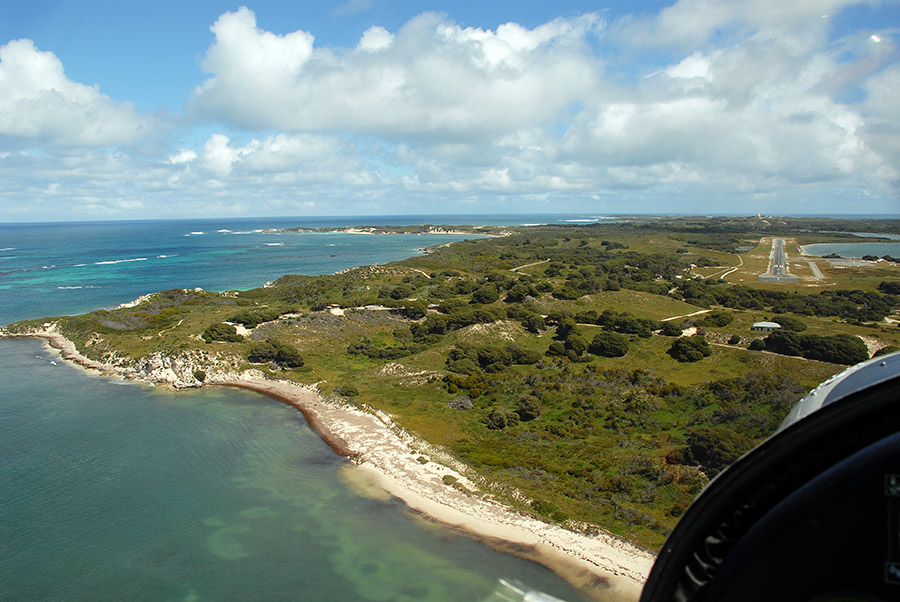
x=563 y=391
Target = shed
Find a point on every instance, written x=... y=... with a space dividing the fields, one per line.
x=765 y=326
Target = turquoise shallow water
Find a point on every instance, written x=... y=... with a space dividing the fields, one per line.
x=53 y=269
x=115 y=491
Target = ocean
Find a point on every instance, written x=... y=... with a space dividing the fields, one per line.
x=119 y=491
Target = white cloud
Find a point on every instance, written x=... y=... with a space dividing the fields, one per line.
x=182 y=156
x=434 y=78
x=218 y=155
x=374 y=39
x=696 y=21
x=284 y=159
x=745 y=103
x=252 y=68
x=696 y=66
x=755 y=108
x=38 y=103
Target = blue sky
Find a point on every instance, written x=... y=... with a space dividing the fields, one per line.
x=130 y=110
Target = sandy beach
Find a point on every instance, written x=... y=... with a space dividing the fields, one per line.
x=434 y=484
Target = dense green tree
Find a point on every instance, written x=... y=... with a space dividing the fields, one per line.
x=556 y=348
x=519 y=292
x=785 y=343
x=576 y=343
x=275 y=351
x=534 y=323
x=670 y=329
x=401 y=291
x=689 y=349
x=716 y=319
x=465 y=287
x=449 y=306
x=789 y=323
x=499 y=419
x=587 y=317
x=565 y=328
x=414 y=310
x=715 y=447
x=567 y=293
x=528 y=408
x=520 y=355
x=891 y=287
x=609 y=344
x=222 y=332
x=463 y=365
x=837 y=349
x=251 y=318
x=486 y=294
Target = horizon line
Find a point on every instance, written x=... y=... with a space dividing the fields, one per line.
x=585 y=215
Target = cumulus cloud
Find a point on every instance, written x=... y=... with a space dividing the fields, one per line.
x=454 y=96
x=744 y=102
x=431 y=77
x=288 y=158
x=39 y=103
x=252 y=69
x=374 y=39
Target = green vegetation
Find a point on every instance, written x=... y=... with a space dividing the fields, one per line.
x=221 y=332
x=609 y=344
x=551 y=359
x=274 y=351
x=690 y=349
x=789 y=323
x=251 y=318
x=838 y=349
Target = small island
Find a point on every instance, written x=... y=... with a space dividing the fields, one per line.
x=564 y=391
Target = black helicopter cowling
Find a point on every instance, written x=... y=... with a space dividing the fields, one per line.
x=811 y=514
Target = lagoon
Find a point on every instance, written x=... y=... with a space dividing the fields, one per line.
x=854 y=249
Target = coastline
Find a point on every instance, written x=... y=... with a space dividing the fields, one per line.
x=428 y=482
x=387 y=231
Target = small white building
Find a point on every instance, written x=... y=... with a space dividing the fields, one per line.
x=765 y=326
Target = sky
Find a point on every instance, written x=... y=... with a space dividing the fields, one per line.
x=116 y=110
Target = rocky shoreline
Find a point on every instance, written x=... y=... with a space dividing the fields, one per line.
x=428 y=480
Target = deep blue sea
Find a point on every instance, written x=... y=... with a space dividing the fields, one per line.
x=114 y=491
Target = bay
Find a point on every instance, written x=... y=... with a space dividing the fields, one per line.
x=854 y=249
x=115 y=491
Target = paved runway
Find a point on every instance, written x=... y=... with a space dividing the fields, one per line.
x=778 y=268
